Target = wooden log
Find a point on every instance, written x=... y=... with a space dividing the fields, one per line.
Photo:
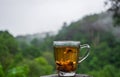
x=77 y=75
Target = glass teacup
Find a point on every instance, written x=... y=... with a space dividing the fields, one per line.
x=66 y=54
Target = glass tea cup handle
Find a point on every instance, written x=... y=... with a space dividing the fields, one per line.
x=86 y=54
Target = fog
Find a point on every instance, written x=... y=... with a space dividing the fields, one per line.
x=32 y=16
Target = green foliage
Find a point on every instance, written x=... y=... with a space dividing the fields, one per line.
x=37 y=67
x=41 y=61
x=1 y=71
x=107 y=71
x=48 y=55
x=45 y=67
x=31 y=52
x=8 y=48
x=36 y=42
x=19 y=71
x=9 y=42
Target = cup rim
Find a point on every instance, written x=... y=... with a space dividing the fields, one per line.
x=66 y=43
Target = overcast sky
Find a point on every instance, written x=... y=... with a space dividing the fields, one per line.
x=32 y=16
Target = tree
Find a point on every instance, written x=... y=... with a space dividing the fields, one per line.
x=1 y=71
x=115 y=8
x=19 y=71
x=8 y=48
x=31 y=52
x=37 y=67
x=9 y=42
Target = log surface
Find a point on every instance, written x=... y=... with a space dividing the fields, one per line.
x=77 y=75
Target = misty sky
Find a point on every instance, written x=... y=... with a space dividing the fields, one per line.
x=32 y=16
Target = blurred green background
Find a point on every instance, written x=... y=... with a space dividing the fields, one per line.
x=30 y=56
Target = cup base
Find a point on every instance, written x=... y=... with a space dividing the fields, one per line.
x=66 y=74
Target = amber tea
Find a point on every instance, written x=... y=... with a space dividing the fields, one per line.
x=66 y=58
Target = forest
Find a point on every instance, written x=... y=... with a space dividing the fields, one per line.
x=20 y=57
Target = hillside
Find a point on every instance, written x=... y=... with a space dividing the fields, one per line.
x=89 y=26
x=32 y=55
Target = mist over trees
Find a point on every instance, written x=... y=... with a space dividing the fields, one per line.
x=115 y=9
